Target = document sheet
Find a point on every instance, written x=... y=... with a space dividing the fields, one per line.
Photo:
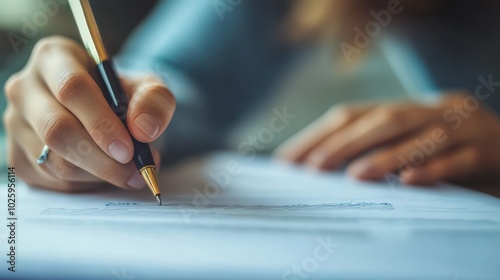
x=232 y=217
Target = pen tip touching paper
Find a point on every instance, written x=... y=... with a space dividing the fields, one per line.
x=158 y=197
x=149 y=175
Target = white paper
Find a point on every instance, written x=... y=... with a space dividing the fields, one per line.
x=230 y=217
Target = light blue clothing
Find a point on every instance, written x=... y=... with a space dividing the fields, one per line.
x=221 y=68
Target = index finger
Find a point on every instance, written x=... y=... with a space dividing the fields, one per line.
x=298 y=147
x=63 y=68
x=375 y=128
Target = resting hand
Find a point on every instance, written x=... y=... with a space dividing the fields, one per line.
x=455 y=140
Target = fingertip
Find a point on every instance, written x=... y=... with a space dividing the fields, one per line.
x=415 y=177
x=406 y=176
x=321 y=161
x=316 y=160
x=150 y=112
x=363 y=170
x=120 y=151
x=285 y=154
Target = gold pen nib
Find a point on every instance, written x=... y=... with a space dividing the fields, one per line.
x=149 y=175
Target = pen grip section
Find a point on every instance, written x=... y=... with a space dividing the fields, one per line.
x=117 y=100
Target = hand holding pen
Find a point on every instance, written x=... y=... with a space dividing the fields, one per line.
x=56 y=101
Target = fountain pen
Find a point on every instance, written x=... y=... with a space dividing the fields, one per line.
x=111 y=88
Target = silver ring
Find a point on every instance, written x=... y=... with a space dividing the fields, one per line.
x=44 y=155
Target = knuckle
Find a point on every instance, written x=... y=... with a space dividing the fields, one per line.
x=341 y=111
x=51 y=43
x=389 y=114
x=71 y=85
x=391 y=118
x=101 y=127
x=53 y=130
x=57 y=45
x=12 y=87
x=45 y=45
x=160 y=90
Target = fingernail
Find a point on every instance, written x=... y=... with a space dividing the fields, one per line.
x=147 y=124
x=362 y=169
x=136 y=181
x=119 y=151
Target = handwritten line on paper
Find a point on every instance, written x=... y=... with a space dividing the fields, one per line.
x=116 y=208
x=323 y=206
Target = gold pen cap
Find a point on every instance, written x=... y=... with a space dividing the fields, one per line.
x=89 y=32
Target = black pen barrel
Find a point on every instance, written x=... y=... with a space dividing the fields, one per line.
x=117 y=100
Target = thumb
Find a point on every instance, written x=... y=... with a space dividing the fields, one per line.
x=151 y=108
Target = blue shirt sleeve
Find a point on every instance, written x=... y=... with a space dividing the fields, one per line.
x=218 y=63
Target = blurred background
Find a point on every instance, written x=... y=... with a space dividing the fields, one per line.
x=432 y=47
